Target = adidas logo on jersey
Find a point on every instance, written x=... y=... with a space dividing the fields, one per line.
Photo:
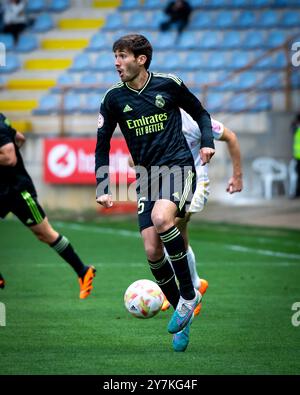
x=29 y=221
x=176 y=195
x=127 y=108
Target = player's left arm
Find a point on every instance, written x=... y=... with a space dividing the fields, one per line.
x=235 y=183
x=190 y=103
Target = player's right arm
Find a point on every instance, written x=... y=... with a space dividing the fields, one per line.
x=106 y=127
x=8 y=155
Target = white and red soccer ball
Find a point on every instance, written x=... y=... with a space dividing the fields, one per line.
x=143 y=299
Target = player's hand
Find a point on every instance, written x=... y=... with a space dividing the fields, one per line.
x=19 y=139
x=105 y=201
x=235 y=184
x=206 y=154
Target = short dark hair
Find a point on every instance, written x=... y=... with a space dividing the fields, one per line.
x=137 y=44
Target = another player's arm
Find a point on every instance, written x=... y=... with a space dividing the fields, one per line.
x=192 y=106
x=235 y=183
x=106 y=127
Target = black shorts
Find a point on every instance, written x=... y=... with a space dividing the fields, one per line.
x=176 y=184
x=25 y=207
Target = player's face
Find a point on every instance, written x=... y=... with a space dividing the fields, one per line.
x=127 y=65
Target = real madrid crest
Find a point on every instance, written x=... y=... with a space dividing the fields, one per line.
x=159 y=101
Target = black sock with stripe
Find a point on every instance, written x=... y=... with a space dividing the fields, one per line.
x=174 y=244
x=64 y=248
x=165 y=278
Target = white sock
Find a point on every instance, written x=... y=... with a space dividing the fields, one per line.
x=192 y=265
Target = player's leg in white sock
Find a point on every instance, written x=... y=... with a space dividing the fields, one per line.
x=192 y=265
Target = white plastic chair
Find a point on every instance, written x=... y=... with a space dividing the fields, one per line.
x=292 y=177
x=271 y=171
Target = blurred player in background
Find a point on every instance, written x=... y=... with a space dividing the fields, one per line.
x=18 y=195
x=146 y=107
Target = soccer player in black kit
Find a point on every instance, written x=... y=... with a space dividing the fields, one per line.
x=146 y=107
x=18 y=195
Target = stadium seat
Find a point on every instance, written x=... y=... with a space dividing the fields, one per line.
x=72 y=102
x=293 y=176
x=272 y=82
x=216 y=61
x=201 y=20
x=36 y=6
x=138 y=20
x=99 y=41
x=48 y=104
x=267 y=19
x=224 y=20
x=231 y=40
x=58 y=5
x=275 y=39
x=64 y=80
x=129 y=5
x=253 y=39
x=8 y=41
x=261 y=3
x=194 y=61
x=43 y=23
x=239 y=59
x=82 y=62
x=91 y=103
x=90 y=81
x=156 y=18
x=188 y=40
x=210 y=40
x=27 y=43
x=261 y=102
x=247 y=80
x=114 y=22
x=289 y=19
x=153 y=4
x=245 y=20
x=270 y=171
x=214 y=4
x=12 y=64
x=214 y=102
x=104 y=61
x=238 y=103
x=164 y=40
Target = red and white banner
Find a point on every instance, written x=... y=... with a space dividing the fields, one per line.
x=72 y=161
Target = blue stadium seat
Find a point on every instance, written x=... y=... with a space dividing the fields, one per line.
x=64 y=80
x=27 y=43
x=224 y=20
x=295 y=80
x=231 y=40
x=253 y=39
x=108 y=78
x=267 y=19
x=36 y=6
x=275 y=39
x=210 y=40
x=81 y=62
x=201 y=20
x=128 y=5
x=8 y=41
x=214 y=4
x=58 y=5
x=216 y=61
x=245 y=20
x=99 y=41
x=43 y=23
x=48 y=104
x=138 y=20
x=262 y=102
x=290 y=19
x=72 y=102
x=156 y=18
x=194 y=61
x=239 y=59
x=170 y=62
x=104 y=61
x=271 y=82
x=164 y=40
x=188 y=40
x=238 y=103
x=196 y=3
x=114 y=22
x=89 y=79
x=214 y=102
x=12 y=63
x=154 y=4
x=247 y=80
x=261 y=3
x=91 y=104
x=238 y=3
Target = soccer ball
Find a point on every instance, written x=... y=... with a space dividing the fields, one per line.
x=143 y=299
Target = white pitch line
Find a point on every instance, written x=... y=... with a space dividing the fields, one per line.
x=130 y=233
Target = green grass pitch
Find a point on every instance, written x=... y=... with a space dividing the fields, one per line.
x=245 y=326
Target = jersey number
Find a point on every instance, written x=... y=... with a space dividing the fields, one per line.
x=141 y=205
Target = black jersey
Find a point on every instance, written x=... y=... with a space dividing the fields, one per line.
x=150 y=121
x=13 y=178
